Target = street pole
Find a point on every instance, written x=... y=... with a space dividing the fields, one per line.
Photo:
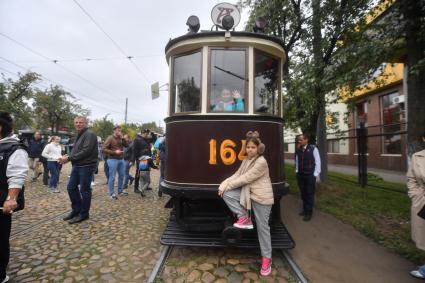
x=126 y=105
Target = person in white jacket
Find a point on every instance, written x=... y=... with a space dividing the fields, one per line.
x=13 y=171
x=53 y=152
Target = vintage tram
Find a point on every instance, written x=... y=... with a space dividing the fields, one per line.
x=222 y=84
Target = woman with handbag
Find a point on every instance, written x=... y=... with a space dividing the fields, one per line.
x=416 y=186
x=13 y=171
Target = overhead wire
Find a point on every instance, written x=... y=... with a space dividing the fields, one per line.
x=88 y=59
x=57 y=64
x=114 y=42
x=94 y=102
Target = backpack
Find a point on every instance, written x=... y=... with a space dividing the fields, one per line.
x=144 y=164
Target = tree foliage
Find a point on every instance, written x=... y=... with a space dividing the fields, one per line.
x=15 y=97
x=103 y=127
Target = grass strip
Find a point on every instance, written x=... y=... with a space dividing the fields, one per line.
x=380 y=211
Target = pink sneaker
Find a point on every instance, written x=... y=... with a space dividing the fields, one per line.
x=266 y=266
x=244 y=223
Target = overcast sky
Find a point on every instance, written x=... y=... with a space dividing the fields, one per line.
x=60 y=30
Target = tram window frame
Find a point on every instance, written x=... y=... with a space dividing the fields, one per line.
x=279 y=83
x=246 y=83
x=173 y=95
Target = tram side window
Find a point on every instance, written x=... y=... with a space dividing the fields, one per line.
x=228 y=80
x=186 y=90
x=266 y=84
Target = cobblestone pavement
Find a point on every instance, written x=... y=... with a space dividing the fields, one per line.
x=119 y=243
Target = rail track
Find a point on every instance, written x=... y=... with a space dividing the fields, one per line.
x=284 y=254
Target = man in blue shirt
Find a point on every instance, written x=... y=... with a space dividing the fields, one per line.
x=307 y=167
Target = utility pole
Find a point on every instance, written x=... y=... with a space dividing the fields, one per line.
x=126 y=105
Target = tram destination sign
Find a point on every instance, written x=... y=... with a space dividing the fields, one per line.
x=223 y=9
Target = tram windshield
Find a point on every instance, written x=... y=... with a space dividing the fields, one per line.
x=228 y=80
x=186 y=90
x=266 y=84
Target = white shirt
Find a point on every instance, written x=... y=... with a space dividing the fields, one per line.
x=52 y=152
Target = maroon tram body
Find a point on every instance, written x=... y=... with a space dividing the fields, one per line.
x=205 y=144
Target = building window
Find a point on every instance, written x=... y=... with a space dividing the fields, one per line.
x=186 y=90
x=392 y=111
x=333 y=146
x=228 y=80
x=266 y=84
x=285 y=147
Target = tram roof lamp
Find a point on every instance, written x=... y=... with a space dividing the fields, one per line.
x=260 y=24
x=193 y=24
x=227 y=22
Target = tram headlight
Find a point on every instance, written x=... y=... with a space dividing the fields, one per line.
x=227 y=22
x=193 y=23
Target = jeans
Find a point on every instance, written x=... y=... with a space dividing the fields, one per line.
x=53 y=168
x=81 y=197
x=45 y=174
x=106 y=168
x=127 y=176
x=5 y=227
x=307 y=184
x=115 y=165
x=161 y=171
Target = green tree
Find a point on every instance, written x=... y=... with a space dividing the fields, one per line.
x=103 y=127
x=55 y=110
x=15 y=97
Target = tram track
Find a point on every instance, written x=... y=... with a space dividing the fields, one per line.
x=284 y=255
x=43 y=221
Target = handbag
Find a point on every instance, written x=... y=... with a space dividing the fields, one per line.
x=421 y=213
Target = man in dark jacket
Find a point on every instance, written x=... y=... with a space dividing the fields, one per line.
x=83 y=157
x=307 y=167
x=141 y=147
x=35 y=147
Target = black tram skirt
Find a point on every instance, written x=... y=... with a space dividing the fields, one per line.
x=175 y=235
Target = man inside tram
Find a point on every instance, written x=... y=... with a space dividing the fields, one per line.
x=230 y=101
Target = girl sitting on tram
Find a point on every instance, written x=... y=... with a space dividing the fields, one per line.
x=251 y=186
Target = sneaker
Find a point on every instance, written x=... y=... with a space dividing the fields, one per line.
x=113 y=196
x=123 y=193
x=93 y=184
x=244 y=223
x=55 y=190
x=6 y=279
x=417 y=274
x=266 y=266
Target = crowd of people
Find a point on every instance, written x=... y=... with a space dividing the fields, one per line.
x=249 y=188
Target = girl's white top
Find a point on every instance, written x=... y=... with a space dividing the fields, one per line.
x=52 y=152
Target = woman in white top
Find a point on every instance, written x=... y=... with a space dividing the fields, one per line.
x=53 y=151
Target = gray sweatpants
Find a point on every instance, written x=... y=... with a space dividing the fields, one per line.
x=145 y=180
x=262 y=214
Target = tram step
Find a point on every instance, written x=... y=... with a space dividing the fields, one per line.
x=175 y=235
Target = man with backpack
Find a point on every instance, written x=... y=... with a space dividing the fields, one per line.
x=13 y=171
x=35 y=148
x=141 y=147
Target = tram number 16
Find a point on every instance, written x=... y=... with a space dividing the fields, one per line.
x=227 y=152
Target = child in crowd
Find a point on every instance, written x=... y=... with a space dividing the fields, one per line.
x=251 y=185
x=52 y=152
x=145 y=165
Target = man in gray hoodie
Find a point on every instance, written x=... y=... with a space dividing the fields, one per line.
x=13 y=171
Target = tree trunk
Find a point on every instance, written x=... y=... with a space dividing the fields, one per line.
x=318 y=91
x=413 y=11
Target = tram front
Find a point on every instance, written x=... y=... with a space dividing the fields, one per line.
x=222 y=84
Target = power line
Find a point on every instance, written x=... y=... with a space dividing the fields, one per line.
x=88 y=59
x=94 y=102
x=114 y=42
x=57 y=64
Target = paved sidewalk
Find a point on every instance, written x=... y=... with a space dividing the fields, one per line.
x=387 y=175
x=329 y=251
